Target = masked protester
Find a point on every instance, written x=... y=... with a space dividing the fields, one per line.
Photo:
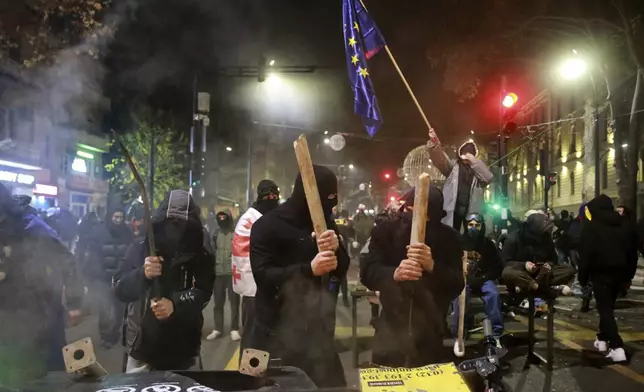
x=223 y=245
x=608 y=257
x=530 y=260
x=483 y=268
x=268 y=196
x=467 y=178
x=165 y=333
x=414 y=296
x=35 y=270
x=362 y=224
x=105 y=252
x=297 y=283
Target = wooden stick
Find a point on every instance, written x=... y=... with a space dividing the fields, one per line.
x=459 y=351
x=418 y=230
x=419 y=222
x=310 y=185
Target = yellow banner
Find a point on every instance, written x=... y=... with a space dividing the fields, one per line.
x=430 y=378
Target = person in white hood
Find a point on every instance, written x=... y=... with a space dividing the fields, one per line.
x=467 y=177
x=268 y=196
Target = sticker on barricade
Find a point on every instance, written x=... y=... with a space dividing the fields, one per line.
x=430 y=378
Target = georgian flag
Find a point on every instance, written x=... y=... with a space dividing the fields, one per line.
x=243 y=281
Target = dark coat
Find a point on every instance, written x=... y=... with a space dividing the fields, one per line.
x=36 y=266
x=187 y=280
x=530 y=243
x=106 y=250
x=409 y=331
x=484 y=260
x=295 y=310
x=608 y=244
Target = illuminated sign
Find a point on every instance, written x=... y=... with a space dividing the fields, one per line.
x=15 y=177
x=43 y=189
x=84 y=154
x=79 y=165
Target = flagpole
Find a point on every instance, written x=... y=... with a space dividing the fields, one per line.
x=404 y=80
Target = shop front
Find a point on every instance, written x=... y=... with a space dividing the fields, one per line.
x=45 y=196
x=19 y=178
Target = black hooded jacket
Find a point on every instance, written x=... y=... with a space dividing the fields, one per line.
x=413 y=308
x=531 y=243
x=608 y=243
x=295 y=310
x=187 y=280
x=484 y=261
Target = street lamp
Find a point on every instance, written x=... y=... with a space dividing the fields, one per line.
x=229 y=149
x=351 y=166
x=271 y=63
x=573 y=68
x=327 y=140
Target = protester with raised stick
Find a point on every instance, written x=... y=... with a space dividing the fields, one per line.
x=295 y=304
x=416 y=284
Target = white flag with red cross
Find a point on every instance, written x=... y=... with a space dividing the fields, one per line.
x=243 y=281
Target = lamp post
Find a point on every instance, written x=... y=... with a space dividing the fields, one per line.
x=572 y=69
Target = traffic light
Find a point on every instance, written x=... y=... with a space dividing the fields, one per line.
x=551 y=180
x=387 y=176
x=261 y=69
x=509 y=111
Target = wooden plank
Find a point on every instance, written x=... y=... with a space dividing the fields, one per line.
x=310 y=185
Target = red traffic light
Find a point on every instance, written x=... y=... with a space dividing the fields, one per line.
x=387 y=176
x=509 y=100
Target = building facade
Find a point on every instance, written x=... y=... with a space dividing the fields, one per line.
x=58 y=166
x=557 y=122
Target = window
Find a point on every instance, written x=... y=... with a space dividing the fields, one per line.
x=572 y=183
x=559 y=143
x=605 y=174
x=573 y=139
x=559 y=187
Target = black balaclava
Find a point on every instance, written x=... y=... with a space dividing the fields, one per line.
x=297 y=210
x=468 y=147
x=435 y=210
x=473 y=234
x=601 y=210
x=268 y=196
x=224 y=221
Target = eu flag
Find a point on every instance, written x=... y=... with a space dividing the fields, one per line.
x=362 y=40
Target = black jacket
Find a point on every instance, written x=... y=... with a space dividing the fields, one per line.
x=484 y=261
x=295 y=310
x=187 y=280
x=410 y=327
x=608 y=243
x=532 y=242
x=106 y=250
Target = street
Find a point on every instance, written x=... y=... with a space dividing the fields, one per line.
x=578 y=367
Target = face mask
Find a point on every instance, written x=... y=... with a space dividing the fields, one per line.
x=267 y=205
x=328 y=204
x=473 y=232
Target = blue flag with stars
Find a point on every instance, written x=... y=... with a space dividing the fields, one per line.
x=362 y=40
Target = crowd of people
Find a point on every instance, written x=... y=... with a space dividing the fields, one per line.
x=287 y=280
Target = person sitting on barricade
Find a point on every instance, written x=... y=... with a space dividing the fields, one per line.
x=530 y=260
x=483 y=268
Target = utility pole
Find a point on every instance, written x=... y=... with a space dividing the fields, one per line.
x=151 y=165
x=198 y=143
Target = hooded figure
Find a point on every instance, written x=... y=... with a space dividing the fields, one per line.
x=608 y=258
x=187 y=275
x=35 y=270
x=409 y=331
x=530 y=260
x=483 y=268
x=295 y=305
x=467 y=178
x=223 y=288
x=102 y=255
x=268 y=196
